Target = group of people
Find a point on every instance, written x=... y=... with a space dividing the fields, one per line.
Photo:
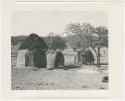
x=54 y=59
x=84 y=57
x=50 y=59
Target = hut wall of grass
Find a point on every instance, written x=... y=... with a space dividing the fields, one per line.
x=33 y=41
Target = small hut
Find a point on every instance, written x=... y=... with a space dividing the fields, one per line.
x=29 y=58
x=35 y=54
x=50 y=59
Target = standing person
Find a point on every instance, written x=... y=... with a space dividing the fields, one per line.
x=48 y=55
x=53 y=54
x=83 y=57
x=79 y=56
x=90 y=57
x=50 y=60
x=76 y=58
x=59 y=60
x=29 y=59
x=21 y=58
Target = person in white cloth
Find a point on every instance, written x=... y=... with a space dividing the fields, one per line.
x=21 y=58
x=50 y=59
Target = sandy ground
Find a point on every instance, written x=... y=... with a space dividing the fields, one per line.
x=75 y=78
x=83 y=77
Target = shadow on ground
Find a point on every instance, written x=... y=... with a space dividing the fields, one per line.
x=72 y=66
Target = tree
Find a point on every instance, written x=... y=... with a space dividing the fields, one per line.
x=56 y=42
x=73 y=41
x=98 y=40
x=77 y=34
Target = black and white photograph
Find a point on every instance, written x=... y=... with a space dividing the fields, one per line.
x=59 y=50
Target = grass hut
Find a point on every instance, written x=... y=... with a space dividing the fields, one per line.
x=37 y=48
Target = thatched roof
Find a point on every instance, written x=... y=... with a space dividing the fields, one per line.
x=33 y=41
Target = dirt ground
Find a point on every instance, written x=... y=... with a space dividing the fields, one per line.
x=75 y=78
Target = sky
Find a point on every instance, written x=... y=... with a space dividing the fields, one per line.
x=45 y=22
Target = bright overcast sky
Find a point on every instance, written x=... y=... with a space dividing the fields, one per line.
x=41 y=23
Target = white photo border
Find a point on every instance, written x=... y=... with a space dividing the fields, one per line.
x=115 y=49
